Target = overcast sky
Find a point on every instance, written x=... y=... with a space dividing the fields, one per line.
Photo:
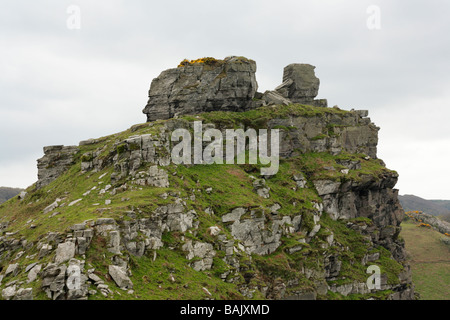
x=60 y=85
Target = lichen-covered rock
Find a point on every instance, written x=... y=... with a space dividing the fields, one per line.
x=227 y=85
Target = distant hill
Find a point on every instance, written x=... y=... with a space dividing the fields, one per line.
x=8 y=193
x=434 y=207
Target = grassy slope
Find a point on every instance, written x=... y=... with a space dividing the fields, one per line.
x=429 y=259
x=152 y=278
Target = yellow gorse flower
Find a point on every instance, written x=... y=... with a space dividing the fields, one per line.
x=205 y=60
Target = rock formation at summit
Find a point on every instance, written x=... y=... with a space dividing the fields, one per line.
x=208 y=84
x=300 y=85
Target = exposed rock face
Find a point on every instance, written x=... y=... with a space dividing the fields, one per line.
x=204 y=253
x=371 y=198
x=56 y=160
x=353 y=132
x=255 y=234
x=227 y=85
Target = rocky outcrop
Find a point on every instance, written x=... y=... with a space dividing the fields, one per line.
x=372 y=198
x=351 y=132
x=256 y=234
x=428 y=219
x=224 y=85
x=300 y=85
x=56 y=160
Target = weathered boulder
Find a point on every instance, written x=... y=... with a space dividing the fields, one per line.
x=9 y=292
x=24 y=294
x=12 y=269
x=34 y=271
x=300 y=84
x=44 y=250
x=64 y=252
x=22 y=195
x=259 y=186
x=120 y=277
x=205 y=85
x=275 y=98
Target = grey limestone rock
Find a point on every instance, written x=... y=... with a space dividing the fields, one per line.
x=204 y=253
x=64 y=252
x=24 y=294
x=9 y=292
x=13 y=269
x=226 y=85
x=300 y=84
x=255 y=233
x=119 y=275
x=53 y=281
x=326 y=186
x=300 y=180
x=56 y=160
x=259 y=185
x=275 y=98
x=22 y=195
x=44 y=250
x=32 y=275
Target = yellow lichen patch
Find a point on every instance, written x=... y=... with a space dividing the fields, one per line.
x=206 y=60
